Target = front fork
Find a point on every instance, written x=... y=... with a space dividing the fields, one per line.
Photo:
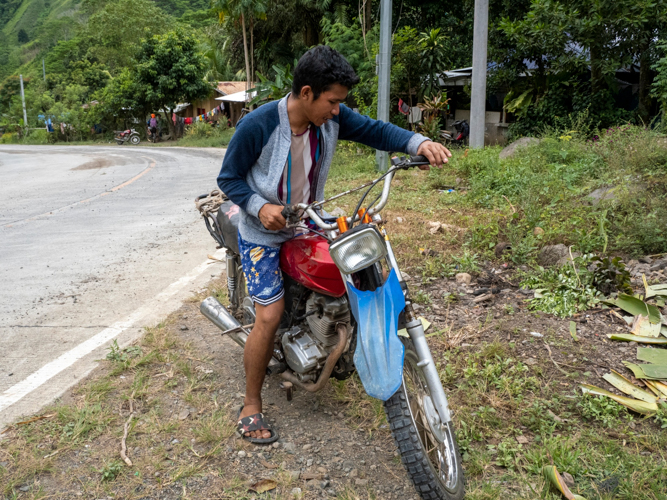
x=416 y=331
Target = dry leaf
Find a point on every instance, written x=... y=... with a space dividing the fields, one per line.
x=268 y=465
x=263 y=486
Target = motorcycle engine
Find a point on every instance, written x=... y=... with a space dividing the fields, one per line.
x=306 y=352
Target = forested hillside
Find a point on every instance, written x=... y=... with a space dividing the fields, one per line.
x=547 y=60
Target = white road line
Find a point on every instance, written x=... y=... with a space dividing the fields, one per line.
x=50 y=370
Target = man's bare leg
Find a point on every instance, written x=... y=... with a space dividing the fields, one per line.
x=256 y=356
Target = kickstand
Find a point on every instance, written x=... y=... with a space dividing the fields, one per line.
x=287 y=387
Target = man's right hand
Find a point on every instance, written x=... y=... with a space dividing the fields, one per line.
x=271 y=217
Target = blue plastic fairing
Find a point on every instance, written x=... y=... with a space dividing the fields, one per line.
x=379 y=354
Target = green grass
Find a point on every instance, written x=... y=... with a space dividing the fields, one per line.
x=202 y=135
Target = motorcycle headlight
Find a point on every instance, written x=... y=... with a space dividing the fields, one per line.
x=358 y=250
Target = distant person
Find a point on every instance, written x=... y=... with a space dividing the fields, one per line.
x=152 y=124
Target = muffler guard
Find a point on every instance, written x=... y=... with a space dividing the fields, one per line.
x=378 y=357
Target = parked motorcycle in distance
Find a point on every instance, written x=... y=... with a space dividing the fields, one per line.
x=345 y=301
x=458 y=138
x=130 y=135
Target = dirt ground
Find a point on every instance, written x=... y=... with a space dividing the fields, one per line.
x=185 y=383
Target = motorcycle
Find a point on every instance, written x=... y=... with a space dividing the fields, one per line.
x=123 y=136
x=460 y=137
x=345 y=301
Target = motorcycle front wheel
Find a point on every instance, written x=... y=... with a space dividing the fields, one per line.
x=431 y=457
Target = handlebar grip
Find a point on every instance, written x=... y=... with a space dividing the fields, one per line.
x=419 y=160
x=287 y=212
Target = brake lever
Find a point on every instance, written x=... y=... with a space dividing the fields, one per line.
x=405 y=163
x=292 y=215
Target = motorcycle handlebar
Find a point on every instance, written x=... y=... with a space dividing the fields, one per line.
x=293 y=211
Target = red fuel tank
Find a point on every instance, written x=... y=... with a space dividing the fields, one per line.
x=306 y=259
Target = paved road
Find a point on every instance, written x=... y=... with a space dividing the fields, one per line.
x=95 y=242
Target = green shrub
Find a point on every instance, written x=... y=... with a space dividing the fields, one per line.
x=201 y=130
x=547 y=185
x=9 y=138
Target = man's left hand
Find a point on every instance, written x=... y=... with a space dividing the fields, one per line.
x=435 y=153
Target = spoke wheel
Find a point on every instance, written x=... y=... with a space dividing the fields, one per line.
x=428 y=451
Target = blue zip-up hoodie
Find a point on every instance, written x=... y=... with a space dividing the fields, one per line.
x=256 y=157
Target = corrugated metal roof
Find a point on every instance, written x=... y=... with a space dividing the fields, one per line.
x=242 y=96
x=228 y=88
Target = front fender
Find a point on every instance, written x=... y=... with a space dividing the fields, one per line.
x=379 y=354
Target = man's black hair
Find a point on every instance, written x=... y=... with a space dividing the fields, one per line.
x=320 y=68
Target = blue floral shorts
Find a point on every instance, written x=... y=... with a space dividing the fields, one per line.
x=261 y=267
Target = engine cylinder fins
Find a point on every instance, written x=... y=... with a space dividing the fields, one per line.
x=332 y=311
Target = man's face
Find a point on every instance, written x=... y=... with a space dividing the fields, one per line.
x=326 y=106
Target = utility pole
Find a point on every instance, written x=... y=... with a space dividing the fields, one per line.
x=25 y=115
x=44 y=69
x=478 y=97
x=384 y=75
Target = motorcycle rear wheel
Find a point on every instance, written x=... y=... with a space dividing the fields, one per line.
x=135 y=139
x=432 y=461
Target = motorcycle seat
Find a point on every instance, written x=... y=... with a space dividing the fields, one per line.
x=228 y=221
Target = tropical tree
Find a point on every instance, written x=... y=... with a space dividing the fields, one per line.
x=170 y=69
x=113 y=34
x=239 y=10
x=434 y=59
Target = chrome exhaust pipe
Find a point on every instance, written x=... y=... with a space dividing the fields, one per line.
x=222 y=318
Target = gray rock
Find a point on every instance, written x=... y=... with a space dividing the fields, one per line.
x=309 y=462
x=602 y=194
x=463 y=278
x=289 y=448
x=555 y=255
x=296 y=492
x=658 y=265
x=24 y=488
x=646 y=260
x=361 y=482
x=519 y=143
x=307 y=447
x=348 y=464
x=313 y=484
x=242 y=454
x=325 y=484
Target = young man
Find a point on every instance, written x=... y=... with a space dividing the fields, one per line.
x=280 y=155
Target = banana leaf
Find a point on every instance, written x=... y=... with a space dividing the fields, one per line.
x=657 y=356
x=553 y=476
x=635 y=306
x=654 y=372
x=624 y=385
x=657 y=387
x=627 y=337
x=652 y=388
x=639 y=406
x=661 y=386
x=644 y=328
x=655 y=290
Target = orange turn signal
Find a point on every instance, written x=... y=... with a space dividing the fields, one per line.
x=342 y=224
x=363 y=215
